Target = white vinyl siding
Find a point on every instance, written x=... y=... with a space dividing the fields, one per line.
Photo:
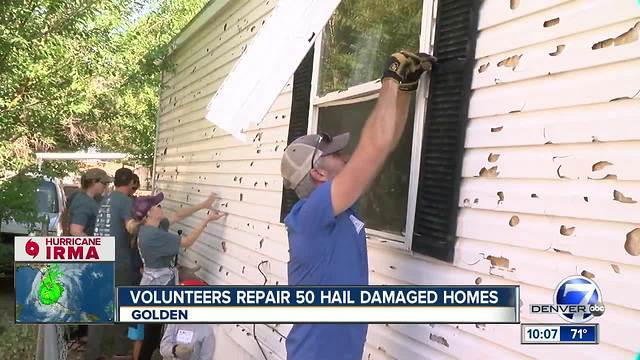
x=557 y=135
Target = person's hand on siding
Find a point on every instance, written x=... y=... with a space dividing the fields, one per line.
x=214 y=215
x=207 y=204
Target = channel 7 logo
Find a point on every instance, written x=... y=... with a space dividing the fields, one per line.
x=577 y=299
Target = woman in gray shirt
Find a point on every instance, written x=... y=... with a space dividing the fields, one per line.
x=159 y=248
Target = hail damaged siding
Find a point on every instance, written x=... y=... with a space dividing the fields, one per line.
x=550 y=177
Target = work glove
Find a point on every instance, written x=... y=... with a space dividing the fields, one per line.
x=406 y=68
x=182 y=352
x=422 y=62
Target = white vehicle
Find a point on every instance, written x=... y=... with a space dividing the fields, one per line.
x=50 y=201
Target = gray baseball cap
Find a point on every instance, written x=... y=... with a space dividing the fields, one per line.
x=296 y=161
x=97 y=174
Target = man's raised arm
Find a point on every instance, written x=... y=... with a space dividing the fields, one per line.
x=382 y=131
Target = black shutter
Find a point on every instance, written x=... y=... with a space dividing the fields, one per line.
x=434 y=232
x=299 y=119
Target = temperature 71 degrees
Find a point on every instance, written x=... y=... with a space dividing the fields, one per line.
x=577 y=332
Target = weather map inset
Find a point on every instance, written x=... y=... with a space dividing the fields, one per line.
x=65 y=292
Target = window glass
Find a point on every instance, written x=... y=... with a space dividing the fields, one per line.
x=46 y=198
x=361 y=35
x=384 y=206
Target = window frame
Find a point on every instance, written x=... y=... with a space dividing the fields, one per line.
x=368 y=91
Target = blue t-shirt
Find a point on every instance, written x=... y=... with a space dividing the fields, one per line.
x=326 y=250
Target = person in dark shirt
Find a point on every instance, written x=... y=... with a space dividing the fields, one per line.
x=113 y=213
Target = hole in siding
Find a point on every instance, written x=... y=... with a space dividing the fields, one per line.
x=492 y=172
x=220 y=268
x=552 y=22
x=559 y=174
x=632 y=245
x=600 y=165
x=243 y=269
x=266 y=184
x=261 y=241
x=510 y=62
x=565 y=231
x=627 y=37
x=240 y=180
x=438 y=339
x=562 y=251
x=466 y=203
x=218 y=165
x=534 y=196
x=392 y=267
x=482 y=326
x=478 y=280
x=241 y=196
x=618 y=196
x=255 y=184
x=615 y=268
x=496 y=129
x=313 y=35
x=587 y=274
x=224 y=28
x=493 y=157
x=224 y=246
x=498 y=261
x=483 y=67
x=500 y=197
x=251 y=163
x=276 y=148
x=226 y=274
x=164 y=152
x=620 y=98
x=514 y=221
x=559 y=50
x=586 y=199
x=253 y=28
x=476 y=201
x=277 y=282
x=513 y=4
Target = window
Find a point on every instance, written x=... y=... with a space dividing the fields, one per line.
x=47 y=197
x=334 y=89
x=350 y=56
x=384 y=206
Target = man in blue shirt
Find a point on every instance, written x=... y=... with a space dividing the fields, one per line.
x=327 y=241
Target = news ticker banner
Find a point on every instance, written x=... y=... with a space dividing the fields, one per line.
x=62 y=280
x=559 y=334
x=300 y=304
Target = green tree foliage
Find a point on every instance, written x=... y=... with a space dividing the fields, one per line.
x=360 y=36
x=76 y=74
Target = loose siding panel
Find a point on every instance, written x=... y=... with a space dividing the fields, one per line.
x=194 y=158
x=549 y=184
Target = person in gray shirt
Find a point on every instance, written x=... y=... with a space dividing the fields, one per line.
x=113 y=213
x=83 y=208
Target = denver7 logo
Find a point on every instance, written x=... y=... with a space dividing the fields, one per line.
x=579 y=290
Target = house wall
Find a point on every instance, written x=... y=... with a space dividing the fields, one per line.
x=553 y=123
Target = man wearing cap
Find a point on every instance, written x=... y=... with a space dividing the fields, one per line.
x=113 y=213
x=327 y=241
x=83 y=207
